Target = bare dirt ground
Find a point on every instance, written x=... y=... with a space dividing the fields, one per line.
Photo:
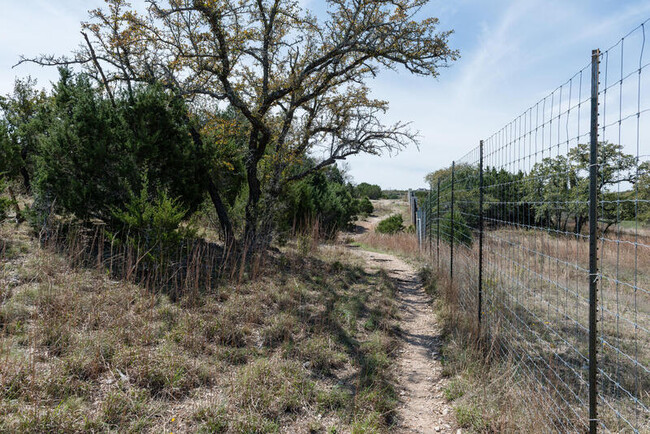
x=423 y=408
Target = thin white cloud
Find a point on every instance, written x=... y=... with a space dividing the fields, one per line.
x=496 y=44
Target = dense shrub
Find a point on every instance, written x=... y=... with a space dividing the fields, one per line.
x=365 y=206
x=5 y=202
x=462 y=231
x=322 y=197
x=393 y=194
x=10 y=161
x=642 y=192
x=23 y=118
x=10 y=165
x=152 y=226
x=94 y=153
x=391 y=225
x=372 y=191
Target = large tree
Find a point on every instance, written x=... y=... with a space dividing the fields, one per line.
x=298 y=80
x=558 y=187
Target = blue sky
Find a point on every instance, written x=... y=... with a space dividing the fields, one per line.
x=512 y=54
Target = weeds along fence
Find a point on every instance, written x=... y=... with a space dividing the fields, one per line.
x=544 y=231
x=180 y=269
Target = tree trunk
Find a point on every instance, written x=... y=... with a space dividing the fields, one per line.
x=254 y=194
x=213 y=191
x=257 y=143
x=222 y=213
x=609 y=224
x=579 y=223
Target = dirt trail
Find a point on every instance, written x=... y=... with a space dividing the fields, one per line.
x=423 y=408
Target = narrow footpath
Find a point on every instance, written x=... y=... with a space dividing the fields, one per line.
x=423 y=408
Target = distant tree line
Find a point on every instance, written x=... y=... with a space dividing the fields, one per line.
x=553 y=194
x=371 y=191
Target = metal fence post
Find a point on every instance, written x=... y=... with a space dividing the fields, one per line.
x=423 y=228
x=418 y=227
x=414 y=207
x=451 y=230
x=428 y=225
x=409 y=196
x=480 y=238
x=438 y=224
x=422 y=224
x=593 y=244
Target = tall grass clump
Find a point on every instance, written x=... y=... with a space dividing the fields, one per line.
x=391 y=225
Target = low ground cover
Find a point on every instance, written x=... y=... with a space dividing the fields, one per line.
x=306 y=345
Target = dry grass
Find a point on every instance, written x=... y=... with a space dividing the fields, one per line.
x=488 y=393
x=386 y=207
x=401 y=243
x=289 y=343
x=533 y=363
x=534 y=328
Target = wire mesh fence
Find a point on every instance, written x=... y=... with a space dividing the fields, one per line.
x=545 y=234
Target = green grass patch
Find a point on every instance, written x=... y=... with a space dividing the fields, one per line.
x=469 y=416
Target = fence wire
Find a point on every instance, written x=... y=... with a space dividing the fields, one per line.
x=512 y=217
